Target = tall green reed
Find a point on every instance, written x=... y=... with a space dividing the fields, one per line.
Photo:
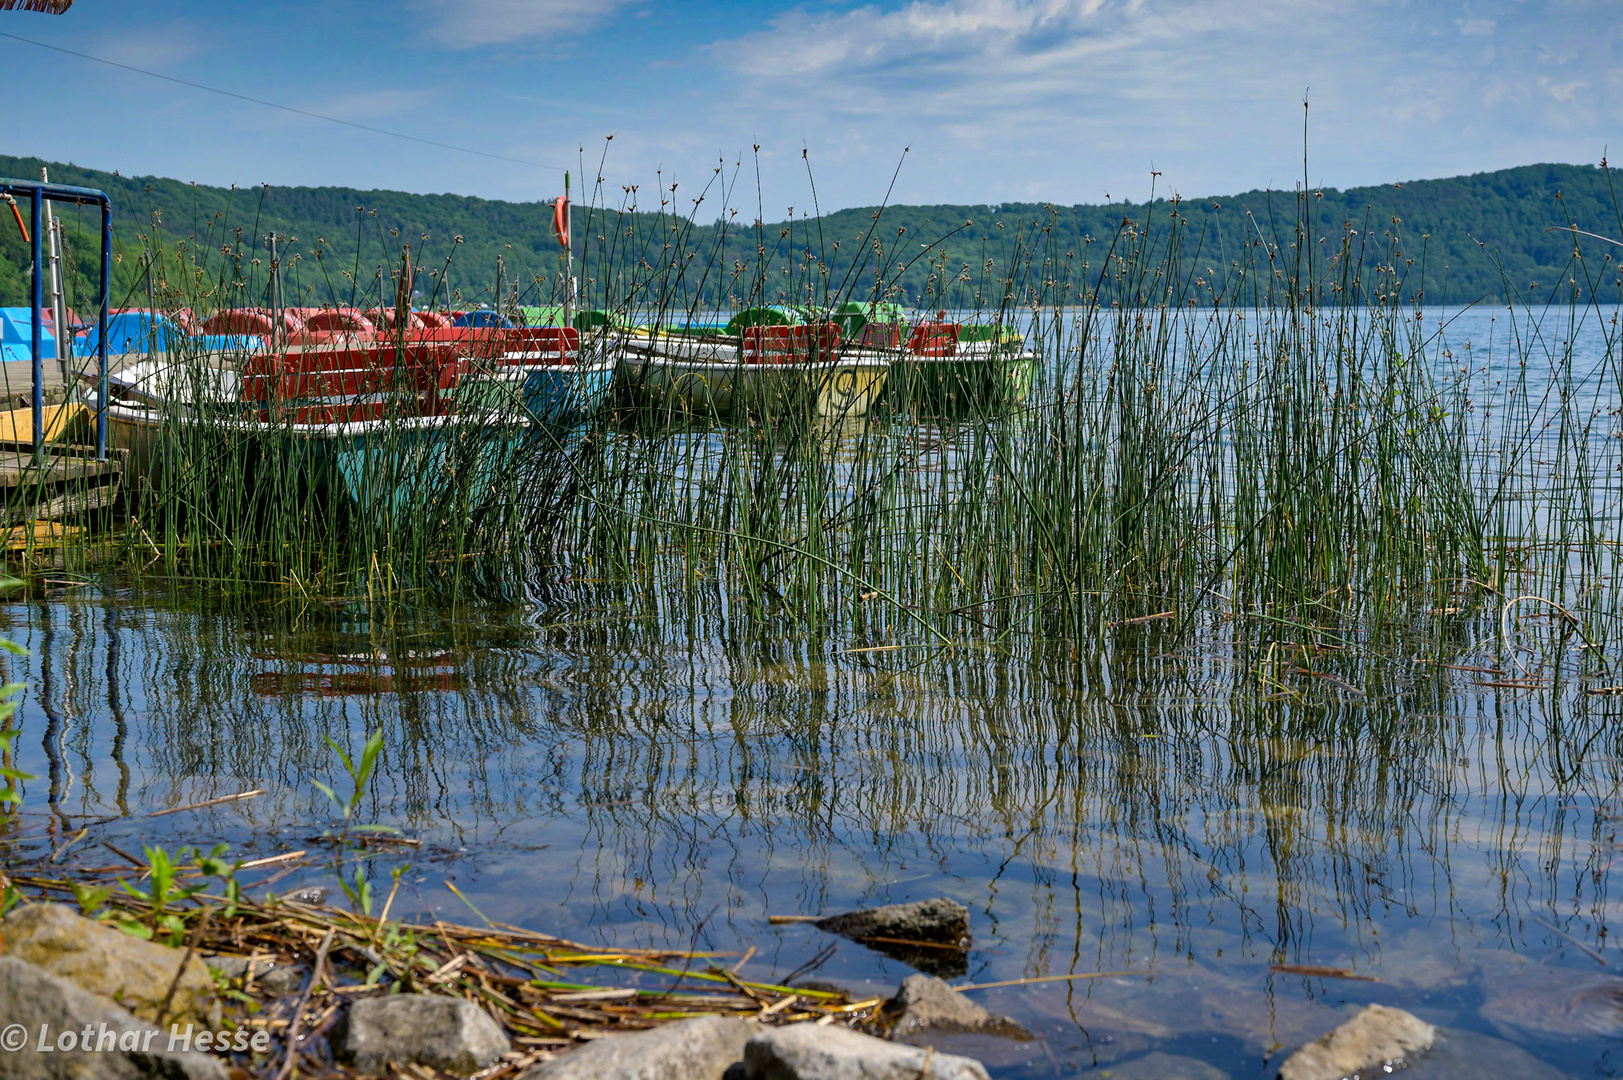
x=1264 y=426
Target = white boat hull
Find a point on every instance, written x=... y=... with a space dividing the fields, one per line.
x=721 y=387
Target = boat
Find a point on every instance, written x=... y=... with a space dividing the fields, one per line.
x=386 y=422
x=766 y=370
x=559 y=383
x=146 y=331
x=941 y=368
x=939 y=373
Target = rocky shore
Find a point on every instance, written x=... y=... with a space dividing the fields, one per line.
x=87 y=998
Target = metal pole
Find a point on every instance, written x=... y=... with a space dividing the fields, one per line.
x=151 y=334
x=275 y=295
x=35 y=330
x=569 y=259
x=101 y=334
x=59 y=305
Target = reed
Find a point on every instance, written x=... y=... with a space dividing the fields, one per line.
x=1271 y=433
x=1275 y=435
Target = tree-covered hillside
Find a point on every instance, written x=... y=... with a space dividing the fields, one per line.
x=1481 y=237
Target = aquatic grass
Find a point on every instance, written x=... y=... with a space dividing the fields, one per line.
x=1272 y=429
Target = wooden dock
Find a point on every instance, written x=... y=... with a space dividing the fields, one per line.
x=64 y=483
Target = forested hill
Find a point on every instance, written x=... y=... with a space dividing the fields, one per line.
x=1482 y=235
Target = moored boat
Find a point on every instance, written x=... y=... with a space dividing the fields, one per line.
x=560 y=380
x=765 y=371
x=382 y=421
x=941 y=374
x=942 y=368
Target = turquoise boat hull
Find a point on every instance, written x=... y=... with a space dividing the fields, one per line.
x=563 y=396
x=426 y=464
x=552 y=395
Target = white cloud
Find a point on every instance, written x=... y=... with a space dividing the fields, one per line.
x=467 y=24
x=159 y=47
x=370 y=104
x=1070 y=98
x=968 y=59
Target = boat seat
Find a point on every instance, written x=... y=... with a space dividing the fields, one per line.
x=791 y=344
x=934 y=339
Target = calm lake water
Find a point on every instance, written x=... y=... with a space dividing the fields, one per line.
x=647 y=772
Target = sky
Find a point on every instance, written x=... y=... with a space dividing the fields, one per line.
x=822 y=103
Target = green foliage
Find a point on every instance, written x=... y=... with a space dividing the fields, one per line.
x=10 y=777
x=10 y=794
x=360 y=773
x=357 y=887
x=214 y=865
x=163 y=891
x=90 y=898
x=1481 y=236
x=397 y=941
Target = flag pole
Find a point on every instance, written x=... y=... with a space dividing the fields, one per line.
x=569 y=261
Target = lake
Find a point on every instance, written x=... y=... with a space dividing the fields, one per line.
x=1181 y=815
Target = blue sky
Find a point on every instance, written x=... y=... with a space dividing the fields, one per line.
x=1003 y=100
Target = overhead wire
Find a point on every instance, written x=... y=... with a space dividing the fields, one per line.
x=277 y=105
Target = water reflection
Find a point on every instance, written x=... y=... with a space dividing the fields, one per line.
x=659 y=769
x=631 y=777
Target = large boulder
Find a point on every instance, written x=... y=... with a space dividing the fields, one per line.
x=812 y=1051
x=939 y=921
x=923 y=1004
x=697 y=1049
x=445 y=1033
x=267 y=974
x=1379 y=1036
x=930 y=935
x=1160 y=1066
x=133 y=973
x=32 y=1001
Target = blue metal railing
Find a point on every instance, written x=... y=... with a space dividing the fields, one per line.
x=37 y=193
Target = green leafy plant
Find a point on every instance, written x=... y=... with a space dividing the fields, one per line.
x=360 y=773
x=215 y=865
x=357 y=887
x=163 y=893
x=10 y=776
x=399 y=942
x=90 y=898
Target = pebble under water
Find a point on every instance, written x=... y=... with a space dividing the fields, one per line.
x=599 y=775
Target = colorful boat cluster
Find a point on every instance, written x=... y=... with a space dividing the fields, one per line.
x=345 y=366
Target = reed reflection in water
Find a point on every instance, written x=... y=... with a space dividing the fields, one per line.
x=621 y=776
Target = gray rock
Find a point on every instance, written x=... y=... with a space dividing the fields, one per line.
x=924 y=1003
x=927 y=934
x=1552 y=1001
x=940 y=921
x=1468 y=1055
x=1159 y=1066
x=227 y=966
x=698 y=1049
x=812 y=1052
x=445 y=1033
x=34 y=998
x=268 y=974
x=133 y=973
x=279 y=978
x=1377 y=1036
